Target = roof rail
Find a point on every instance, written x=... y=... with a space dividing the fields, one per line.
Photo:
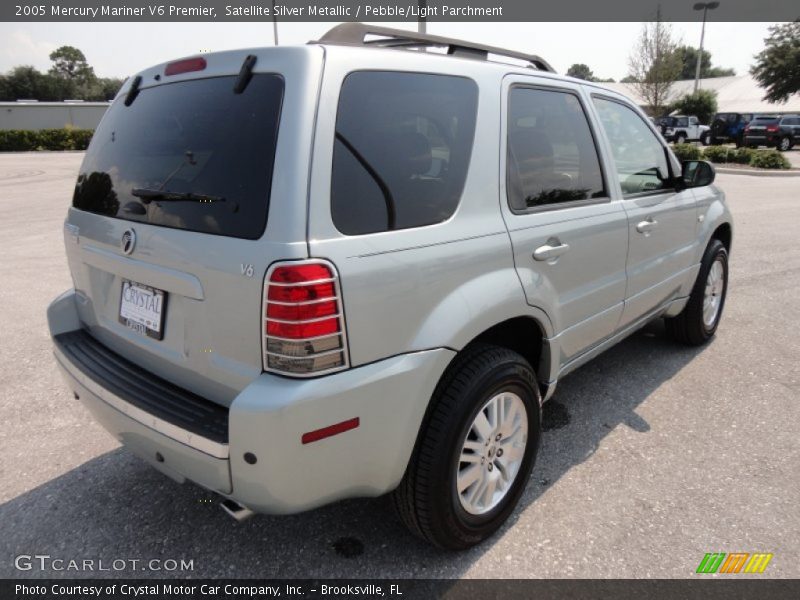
x=355 y=34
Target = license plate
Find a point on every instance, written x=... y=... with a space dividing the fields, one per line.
x=142 y=309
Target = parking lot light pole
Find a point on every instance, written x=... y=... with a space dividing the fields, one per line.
x=705 y=7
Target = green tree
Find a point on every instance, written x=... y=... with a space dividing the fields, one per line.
x=777 y=67
x=628 y=79
x=688 y=56
x=26 y=82
x=70 y=63
x=581 y=71
x=702 y=104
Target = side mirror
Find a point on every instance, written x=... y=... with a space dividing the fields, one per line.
x=697 y=173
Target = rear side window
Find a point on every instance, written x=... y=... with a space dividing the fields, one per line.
x=191 y=155
x=551 y=156
x=402 y=149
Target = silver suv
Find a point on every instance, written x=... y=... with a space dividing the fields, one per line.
x=360 y=266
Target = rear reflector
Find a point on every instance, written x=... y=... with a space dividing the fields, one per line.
x=185 y=66
x=303 y=321
x=321 y=434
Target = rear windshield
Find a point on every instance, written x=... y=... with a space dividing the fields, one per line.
x=762 y=120
x=191 y=155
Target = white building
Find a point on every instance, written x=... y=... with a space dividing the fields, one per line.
x=739 y=93
x=51 y=115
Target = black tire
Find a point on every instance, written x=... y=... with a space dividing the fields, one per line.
x=715 y=141
x=427 y=500
x=680 y=138
x=689 y=327
x=785 y=144
x=704 y=139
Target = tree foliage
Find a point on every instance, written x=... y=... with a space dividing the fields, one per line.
x=654 y=64
x=70 y=63
x=702 y=104
x=70 y=77
x=688 y=56
x=777 y=67
x=581 y=71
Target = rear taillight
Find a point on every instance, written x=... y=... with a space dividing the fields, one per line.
x=772 y=128
x=303 y=320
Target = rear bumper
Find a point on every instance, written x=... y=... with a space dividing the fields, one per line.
x=761 y=140
x=267 y=420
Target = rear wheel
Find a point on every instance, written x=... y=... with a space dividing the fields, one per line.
x=475 y=451
x=680 y=138
x=785 y=144
x=704 y=139
x=699 y=320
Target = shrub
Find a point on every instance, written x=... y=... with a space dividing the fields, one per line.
x=719 y=154
x=686 y=151
x=769 y=159
x=702 y=104
x=742 y=156
x=17 y=140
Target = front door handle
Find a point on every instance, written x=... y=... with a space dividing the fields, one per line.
x=547 y=251
x=647 y=225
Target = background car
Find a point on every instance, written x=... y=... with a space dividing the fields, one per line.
x=681 y=129
x=729 y=127
x=775 y=132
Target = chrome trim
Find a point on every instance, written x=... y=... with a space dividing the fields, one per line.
x=301 y=340
x=337 y=288
x=302 y=321
x=314 y=282
x=304 y=303
x=306 y=356
x=197 y=442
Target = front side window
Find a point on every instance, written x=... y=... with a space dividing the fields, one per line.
x=402 y=149
x=640 y=159
x=551 y=156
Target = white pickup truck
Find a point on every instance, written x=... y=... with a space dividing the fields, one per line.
x=681 y=129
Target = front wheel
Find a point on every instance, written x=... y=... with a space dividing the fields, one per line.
x=475 y=451
x=699 y=320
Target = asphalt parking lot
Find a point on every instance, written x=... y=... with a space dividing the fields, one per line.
x=653 y=455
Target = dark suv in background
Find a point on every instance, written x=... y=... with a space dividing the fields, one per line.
x=780 y=132
x=729 y=127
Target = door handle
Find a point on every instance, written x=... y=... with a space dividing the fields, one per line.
x=547 y=251
x=647 y=225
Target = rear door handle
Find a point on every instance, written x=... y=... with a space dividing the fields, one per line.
x=647 y=225
x=547 y=251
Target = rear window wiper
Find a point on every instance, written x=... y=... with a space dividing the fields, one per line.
x=148 y=195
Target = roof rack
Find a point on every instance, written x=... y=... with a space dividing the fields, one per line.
x=355 y=34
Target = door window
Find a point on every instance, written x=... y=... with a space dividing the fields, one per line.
x=639 y=156
x=551 y=155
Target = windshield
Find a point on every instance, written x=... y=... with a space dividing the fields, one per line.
x=191 y=155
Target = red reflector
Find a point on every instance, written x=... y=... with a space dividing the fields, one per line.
x=301 y=293
x=321 y=434
x=301 y=312
x=294 y=331
x=185 y=66
x=300 y=273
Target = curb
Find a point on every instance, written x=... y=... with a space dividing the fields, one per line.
x=758 y=172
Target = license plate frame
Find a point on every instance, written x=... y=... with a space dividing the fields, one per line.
x=140 y=319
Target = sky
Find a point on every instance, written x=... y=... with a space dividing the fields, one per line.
x=120 y=49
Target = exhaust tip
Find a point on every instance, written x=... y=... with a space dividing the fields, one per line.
x=236 y=510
